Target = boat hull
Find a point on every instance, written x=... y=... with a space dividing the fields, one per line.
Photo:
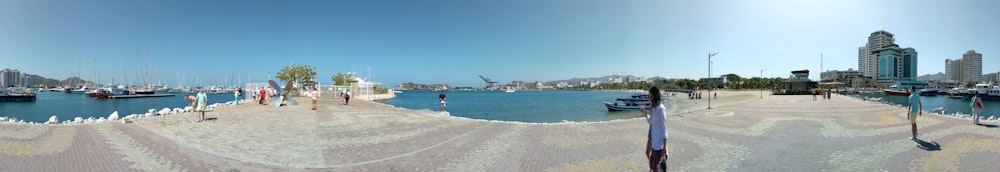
x=896 y=93
x=17 y=98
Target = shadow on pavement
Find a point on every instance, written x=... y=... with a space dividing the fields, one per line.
x=988 y=125
x=928 y=146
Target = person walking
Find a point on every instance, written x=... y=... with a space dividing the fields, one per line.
x=442 y=97
x=236 y=95
x=977 y=108
x=261 y=94
x=656 y=145
x=347 y=98
x=202 y=102
x=315 y=97
x=915 y=108
x=814 y=93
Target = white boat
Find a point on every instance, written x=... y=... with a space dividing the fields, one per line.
x=509 y=90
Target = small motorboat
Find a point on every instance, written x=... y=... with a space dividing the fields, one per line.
x=895 y=91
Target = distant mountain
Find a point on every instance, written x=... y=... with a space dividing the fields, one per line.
x=930 y=77
x=48 y=82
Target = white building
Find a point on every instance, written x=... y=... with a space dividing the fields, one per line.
x=11 y=77
x=969 y=68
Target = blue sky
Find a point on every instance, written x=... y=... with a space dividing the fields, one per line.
x=453 y=41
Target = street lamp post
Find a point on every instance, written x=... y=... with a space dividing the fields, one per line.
x=710 y=78
x=762 y=79
x=268 y=76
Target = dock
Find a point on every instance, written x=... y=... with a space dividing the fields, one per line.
x=139 y=96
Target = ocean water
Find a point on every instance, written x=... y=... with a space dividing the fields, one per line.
x=521 y=106
x=68 y=106
x=951 y=105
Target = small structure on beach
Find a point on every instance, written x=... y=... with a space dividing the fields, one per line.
x=798 y=84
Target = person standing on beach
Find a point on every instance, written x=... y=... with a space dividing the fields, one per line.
x=202 y=101
x=657 y=143
x=442 y=97
x=315 y=97
x=977 y=108
x=915 y=108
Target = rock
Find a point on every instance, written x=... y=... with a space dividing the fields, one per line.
x=78 y=120
x=113 y=116
x=151 y=111
x=188 y=109
x=53 y=120
x=132 y=116
x=101 y=119
x=149 y=114
x=164 y=111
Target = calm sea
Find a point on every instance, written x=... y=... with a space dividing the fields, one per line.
x=522 y=106
x=991 y=108
x=68 y=106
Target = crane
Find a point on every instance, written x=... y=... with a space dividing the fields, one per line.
x=490 y=83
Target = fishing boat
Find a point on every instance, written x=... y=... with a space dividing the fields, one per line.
x=631 y=103
x=895 y=91
x=17 y=94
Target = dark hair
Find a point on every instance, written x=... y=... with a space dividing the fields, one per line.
x=654 y=95
x=913 y=88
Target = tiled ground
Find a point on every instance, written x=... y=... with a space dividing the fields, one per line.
x=777 y=133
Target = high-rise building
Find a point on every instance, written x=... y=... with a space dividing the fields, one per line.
x=882 y=59
x=9 y=77
x=867 y=62
x=969 y=68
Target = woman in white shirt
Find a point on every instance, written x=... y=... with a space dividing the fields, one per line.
x=656 y=147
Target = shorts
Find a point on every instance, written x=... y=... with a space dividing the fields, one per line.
x=314 y=101
x=913 y=117
x=201 y=107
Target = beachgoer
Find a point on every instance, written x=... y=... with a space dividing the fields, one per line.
x=814 y=93
x=347 y=98
x=315 y=97
x=915 y=108
x=263 y=93
x=202 y=101
x=191 y=99
x=442 y=98
x=977 y=108
x=716 y=95
x=236 y=95
x=657 y=134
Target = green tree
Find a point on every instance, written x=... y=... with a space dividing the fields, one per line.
x=342 y=79
x=732 y=81
x=296 y=73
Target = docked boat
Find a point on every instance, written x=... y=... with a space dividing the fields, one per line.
x=17 y=94
x=928 y=92
x=81 y=90
x=955 y=93
x=629 y=104
x=896 y=91
x=980 y=88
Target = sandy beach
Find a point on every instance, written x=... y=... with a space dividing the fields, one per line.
x=742 y=132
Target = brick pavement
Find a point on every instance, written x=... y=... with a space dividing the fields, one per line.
x=777 y=133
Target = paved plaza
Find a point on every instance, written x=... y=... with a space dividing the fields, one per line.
x=775 y=133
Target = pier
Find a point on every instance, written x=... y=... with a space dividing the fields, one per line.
x=139 y=96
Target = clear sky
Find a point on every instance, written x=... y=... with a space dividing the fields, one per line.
x=453 y=41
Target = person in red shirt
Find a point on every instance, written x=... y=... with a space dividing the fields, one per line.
x=262 y=95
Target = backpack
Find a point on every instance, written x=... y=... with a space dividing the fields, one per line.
x=972 y=102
